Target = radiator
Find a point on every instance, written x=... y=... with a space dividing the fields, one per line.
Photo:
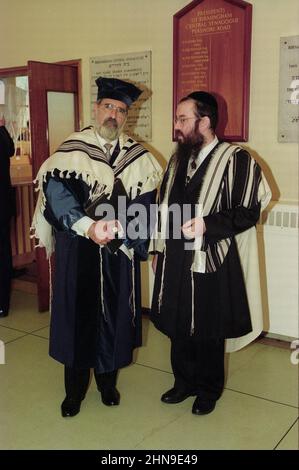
x=278 y=247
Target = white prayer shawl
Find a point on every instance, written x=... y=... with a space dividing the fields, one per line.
x=81 y=155
x=246 y=241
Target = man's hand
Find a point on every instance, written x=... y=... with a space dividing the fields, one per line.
x=2 y=121
x=103 y=231
x=194 y=228
x=154 y=263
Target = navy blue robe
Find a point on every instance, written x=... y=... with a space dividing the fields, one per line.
x=81 y=334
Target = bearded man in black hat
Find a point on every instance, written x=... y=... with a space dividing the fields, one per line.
x=96 y=306
x=206 y=289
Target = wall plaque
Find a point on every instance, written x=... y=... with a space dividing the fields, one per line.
x=212 y=49
x=134 y=67
x=288 y=115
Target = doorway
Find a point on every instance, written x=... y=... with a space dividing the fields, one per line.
x=41 y=104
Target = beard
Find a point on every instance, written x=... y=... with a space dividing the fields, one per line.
x=109 y=130
x=188 y=145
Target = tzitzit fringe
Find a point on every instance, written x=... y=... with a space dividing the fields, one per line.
x=132 y=301
x=50 y=287
x=192 y=306
x=160 y=297
x=96 y=188
x=102 y=284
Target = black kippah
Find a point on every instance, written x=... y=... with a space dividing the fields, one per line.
x=204 y=97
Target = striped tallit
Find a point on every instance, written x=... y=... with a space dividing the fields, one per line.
x=81 y=156
x=215 y=195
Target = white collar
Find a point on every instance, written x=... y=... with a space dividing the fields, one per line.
x=102 y=143
x=204 y=152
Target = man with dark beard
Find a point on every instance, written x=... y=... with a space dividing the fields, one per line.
x=206 y=290
x=96 y=307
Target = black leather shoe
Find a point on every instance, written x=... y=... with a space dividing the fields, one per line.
x=70 y=407
x=203 y=407
x=174 y=396
x=110 y=396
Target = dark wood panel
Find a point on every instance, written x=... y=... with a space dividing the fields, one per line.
x=211 y=52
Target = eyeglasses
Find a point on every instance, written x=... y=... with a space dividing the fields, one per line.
x=182 y=120
x=118 y=109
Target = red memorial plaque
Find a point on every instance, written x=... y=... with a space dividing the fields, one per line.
x=211 y=52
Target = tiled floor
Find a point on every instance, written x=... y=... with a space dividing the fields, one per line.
x=258 y=409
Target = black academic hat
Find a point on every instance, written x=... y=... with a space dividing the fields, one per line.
x=204 y=98
x=117 y=90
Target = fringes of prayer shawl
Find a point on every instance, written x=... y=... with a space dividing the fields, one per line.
x=158 y=238
x=132 y=300
x=102 y=284
x=160 y=297
x=40 y=229
x=157 y=242
x=80 y=156
x=139 y=171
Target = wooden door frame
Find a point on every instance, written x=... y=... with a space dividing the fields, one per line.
x=23 y=71
x=45 y=77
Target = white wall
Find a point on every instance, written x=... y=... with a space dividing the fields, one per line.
x=72 y=29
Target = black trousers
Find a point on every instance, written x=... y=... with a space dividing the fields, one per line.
x=198 y=366
x=77 y=380
x=5 y=269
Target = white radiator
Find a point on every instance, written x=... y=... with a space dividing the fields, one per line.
x=279 y=269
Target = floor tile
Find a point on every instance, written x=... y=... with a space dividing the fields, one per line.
x=24 y=313
x=43 y=332
x=264 y=371
x=291 y=440
x=33 y=418
x=156 y=348
x=8 y=334
x=258 y=369
x=239 y=422
x=262 y=383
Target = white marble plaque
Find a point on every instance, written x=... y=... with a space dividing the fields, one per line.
x=133 y=67
x=288 y=117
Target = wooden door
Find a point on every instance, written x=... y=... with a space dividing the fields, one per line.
x=50 y=84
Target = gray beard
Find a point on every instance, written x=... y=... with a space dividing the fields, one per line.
x=109 y=133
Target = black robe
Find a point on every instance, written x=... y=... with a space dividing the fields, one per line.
x=220 y=301
x=7 y=150
x=7 y=209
